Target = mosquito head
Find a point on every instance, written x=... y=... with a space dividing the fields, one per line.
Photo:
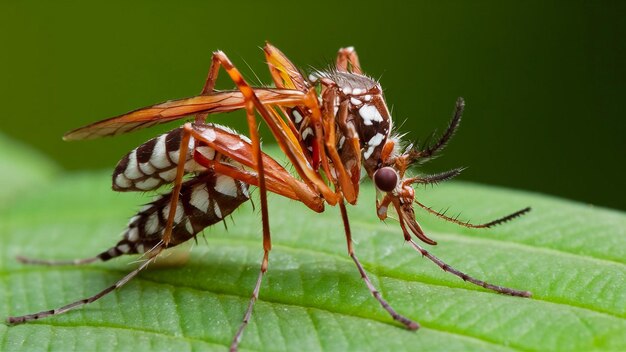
x=396 y=190
x=386 y=179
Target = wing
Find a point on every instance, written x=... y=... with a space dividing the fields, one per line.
x=153 y=164
x=175 y=109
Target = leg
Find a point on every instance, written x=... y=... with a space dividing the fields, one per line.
x=348 y=189
x=348 y=61
x=82 y=302
x=178 y=183
x=408 y=323
x=282 y=134
x=252 y=102
x=34 y=261
x=465 y=277
x=238 y=148
x=255 y=295
x=209 y=85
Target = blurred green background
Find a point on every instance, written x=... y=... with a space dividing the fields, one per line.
x=544 y=81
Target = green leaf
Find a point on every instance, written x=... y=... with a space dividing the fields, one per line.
x=571 y=256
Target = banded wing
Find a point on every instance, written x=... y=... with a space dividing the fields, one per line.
x=176 y=109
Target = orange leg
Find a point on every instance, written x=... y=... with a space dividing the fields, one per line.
x=209 y=85
x=282 y=133
x=278 y=180
x=287 y=142
x=252 y=102
x=348 y=61
x=347 y=188
x=178 y=183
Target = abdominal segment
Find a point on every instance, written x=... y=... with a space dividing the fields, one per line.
x=204 y=200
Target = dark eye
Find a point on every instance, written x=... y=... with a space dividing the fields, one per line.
x=386 y=179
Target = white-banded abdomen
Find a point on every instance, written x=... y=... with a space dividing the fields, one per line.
x=204 y=200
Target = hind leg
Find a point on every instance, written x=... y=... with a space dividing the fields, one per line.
x=87 y=300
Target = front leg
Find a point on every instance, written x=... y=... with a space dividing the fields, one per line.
x=408 y=323
x=348 y=61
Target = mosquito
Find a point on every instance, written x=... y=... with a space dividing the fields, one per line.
x=330 y=125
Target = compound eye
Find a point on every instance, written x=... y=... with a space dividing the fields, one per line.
x=386 y=179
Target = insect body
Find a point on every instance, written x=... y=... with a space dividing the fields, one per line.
x=330 y=126
x=204 y=200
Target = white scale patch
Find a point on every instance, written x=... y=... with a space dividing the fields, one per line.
x=217 y=210
x=355 y=101
x=188 y=226
x=158 y=158
x=179 y=213
x=244 y=190
x=132 y=171
x=372 y=144
x=297 y=117
x=147 y=168
x=370 y=113
x=174 y=156
x=193 y=166
x=124 y=248
x=308 y=131
x=236 y=146
x=147 y=184
x=152 y=224
x=200 y=198
x=168 y=175
x=122 y=182
x=209 y=134
x=206 y=152
x=357 y=91
x=133 y=234
x=226 y=185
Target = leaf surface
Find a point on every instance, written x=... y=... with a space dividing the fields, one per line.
x=571 y=256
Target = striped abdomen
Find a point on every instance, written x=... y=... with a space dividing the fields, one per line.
x=204 y=200
x=153 y=164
